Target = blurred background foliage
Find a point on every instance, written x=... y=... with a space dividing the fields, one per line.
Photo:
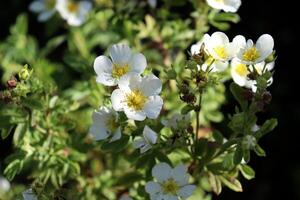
x=62 y=57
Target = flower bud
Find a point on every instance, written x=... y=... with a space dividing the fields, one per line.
x=271 y=58
x=25 y=72
x=12 y=83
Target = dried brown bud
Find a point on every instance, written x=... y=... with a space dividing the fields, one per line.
x=12 y=83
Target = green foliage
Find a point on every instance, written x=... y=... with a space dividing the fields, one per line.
x=49 y=93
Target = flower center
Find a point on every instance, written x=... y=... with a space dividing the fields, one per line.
x=72 y=7
x=119 y=71
x=112 y=124
x=241 y=70
x=170 y=187
x=50 y=4
x=221 y=52
x=251 y=54
x=136 y=100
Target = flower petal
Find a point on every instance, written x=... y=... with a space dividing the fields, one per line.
x=117 y=100
x=135 y=115
x=152 y=187
x=151 y=85
x=149 y=135
x=138 y=143
x=120 y=54
x=169 y=197
x=129 y=82
x=265 y=45
x=162 y=172
x=37 y=6
x=179 y=173
x=98 y=132
x=102 y=64
x=44 y=16
x=186 y=191
x=138 y=63
x=153 y=107
x=117 y=135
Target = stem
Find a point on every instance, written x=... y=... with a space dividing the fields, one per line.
x=198 y=121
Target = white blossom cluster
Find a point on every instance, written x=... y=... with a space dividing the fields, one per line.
x=74 y=12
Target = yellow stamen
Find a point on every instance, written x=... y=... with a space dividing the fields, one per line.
x=170 y=186
x=136 y=100
x=119 y=71
x=112 y=124
x=251 y=54
x=241 y=69
x=72 y=7
x=221 y=52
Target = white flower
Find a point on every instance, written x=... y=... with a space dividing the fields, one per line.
x=177 y=120
x=75 y=12
x=240 y=72
x=250 y=53
x=152 y=3
x=145 y=143
x=216 y=66
x=138 y=96
x=226 y=5
x=219 y=47
x=45 y=8
x=4 y=185
x=122 y=62
x=171 y=184
x=29 y=195
x=105 y=125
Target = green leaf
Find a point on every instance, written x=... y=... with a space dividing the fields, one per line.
x=201 y=147
x=238 y=155
x=5 y=131
x=267 y=127
x=19 y=133
x=259 y=151
x=215 y=183
x=5 y=121
x=217 y=135
x=116 y=146
x=186 y=109
x=247 y=172
x=227 y=17
x=232 y=183
x=52 y=44
x=238 y=92
x=129 y=179
x=33 y=103
x=162 y=157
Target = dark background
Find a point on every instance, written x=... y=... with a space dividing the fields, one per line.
x=278 y=174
